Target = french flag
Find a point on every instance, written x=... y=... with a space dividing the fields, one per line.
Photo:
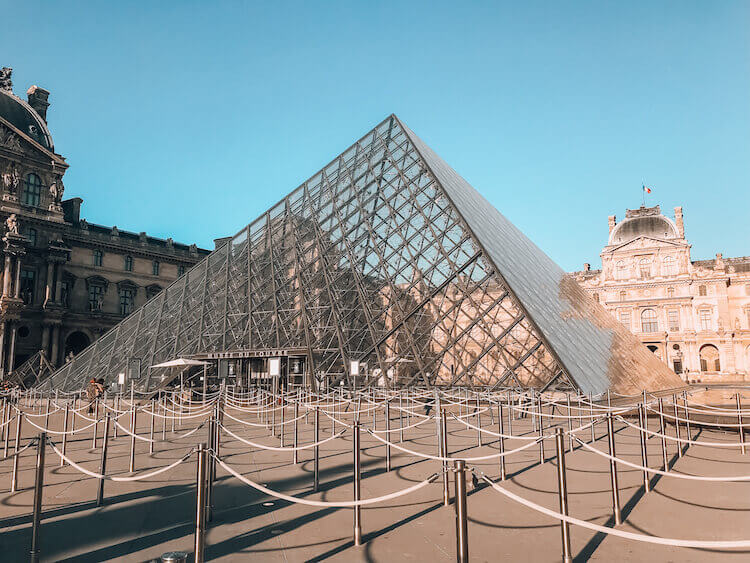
x=647 y=189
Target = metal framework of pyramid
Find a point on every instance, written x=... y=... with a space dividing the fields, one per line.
x=389 y=258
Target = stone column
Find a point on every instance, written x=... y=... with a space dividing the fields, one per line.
x=17 y=289
x=55 y=345
x=6 y=277
x=12 y=346
x=45 y=340
x=48 y=295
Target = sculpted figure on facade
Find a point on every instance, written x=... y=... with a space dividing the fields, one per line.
x=56 y=190
x=5 y=79
x=11 y=178
x=11 y=224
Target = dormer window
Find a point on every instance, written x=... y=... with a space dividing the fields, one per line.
x=670 y=266
x=644 y=268
x=32 y=190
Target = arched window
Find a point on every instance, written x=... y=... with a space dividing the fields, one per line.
x=710 y=358
x=644 y=268
x=128 y=263
x=32 y=190
x=621 y=270
x=702 y=290
x=670 y=266
x=648 y=321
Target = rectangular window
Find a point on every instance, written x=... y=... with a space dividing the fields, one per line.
x=128 y=263
x=747 y=314
x=126 y=301
x=98 y=258
x=27 y=286
x=180 y=270
x=155 y=267
x=96 y=297
x=674 y=320
x=625 y=318
x=32 y=237
x=705 y=319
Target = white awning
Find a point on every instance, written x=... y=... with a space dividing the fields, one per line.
x=180 y=362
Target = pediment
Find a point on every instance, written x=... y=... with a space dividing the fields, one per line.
x=18 y=142
x=647 y=242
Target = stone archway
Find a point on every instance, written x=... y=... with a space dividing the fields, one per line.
x=76 y=342
x=709 y=356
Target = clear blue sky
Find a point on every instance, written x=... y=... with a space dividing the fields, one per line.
x=189 y=119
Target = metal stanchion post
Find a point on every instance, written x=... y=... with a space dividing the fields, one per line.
x=510 y=415
x=151 y=427
x=46 y=416
x=687 y=418
x=388 y=434
x=562 y=492
x=200 y=506
x=502 y=440
x=662 y=427
x=103 y=462
x=132 y=437
x=444 y=449
x=677 y=425
x=283 y=419
x=645 y=412
x=115 y=406
x=65 y=434
x=570 y=424
x=591 y=415
x=14 y=476
x=295 y=456
x=316 y=451
x=36 y=517
x=644 y=452
x=479 y=425
x=96 y=424
x=6 y=427
x=211 y=468
x=541 y=432
x=613 y=471
x=739 y=422
x=401 y=417
x=357 y=485
x=462 y=526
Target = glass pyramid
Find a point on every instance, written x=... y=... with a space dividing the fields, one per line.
x=388 y=258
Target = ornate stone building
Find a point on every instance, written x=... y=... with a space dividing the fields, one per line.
x=694 y=315
x=65 y=281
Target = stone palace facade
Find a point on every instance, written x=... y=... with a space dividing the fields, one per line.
x=65 y=281
x=694 y=315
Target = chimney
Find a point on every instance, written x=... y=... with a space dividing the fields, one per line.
x=678 y=221
x=586 y=267
x=219 y=242
x=38 y=100
x=612 y=222
x=719 y=261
